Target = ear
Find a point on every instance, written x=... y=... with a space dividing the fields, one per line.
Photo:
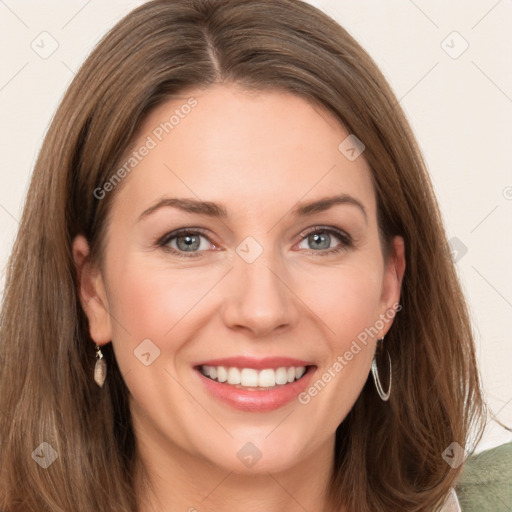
x=92 y=293
x=392 y=282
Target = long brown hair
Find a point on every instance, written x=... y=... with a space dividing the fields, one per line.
x=388 y=455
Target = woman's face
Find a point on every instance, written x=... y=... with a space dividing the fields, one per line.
x=278 y=269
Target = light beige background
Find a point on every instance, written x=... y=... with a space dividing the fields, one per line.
x=458 y=99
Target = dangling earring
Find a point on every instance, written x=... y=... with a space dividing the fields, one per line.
x=100 y=369
x=375 y=372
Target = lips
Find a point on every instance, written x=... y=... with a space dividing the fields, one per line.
x=255 y=385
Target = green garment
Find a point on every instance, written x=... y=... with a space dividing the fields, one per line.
x=486 y=482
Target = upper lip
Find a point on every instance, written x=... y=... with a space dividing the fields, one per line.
x=256 y=363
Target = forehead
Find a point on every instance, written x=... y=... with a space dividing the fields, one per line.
x=248 y=150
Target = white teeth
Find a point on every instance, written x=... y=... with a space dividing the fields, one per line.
x=233 y=376
x=266 y=378
x=222 y=374
x=281 y=376
x=250 y=377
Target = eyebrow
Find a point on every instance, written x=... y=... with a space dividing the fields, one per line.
x=321 y=205
x=216 y=210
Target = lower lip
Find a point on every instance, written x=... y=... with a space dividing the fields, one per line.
x=257 y=400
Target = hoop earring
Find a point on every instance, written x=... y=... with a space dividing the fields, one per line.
x=100 y=368
x=384 y=395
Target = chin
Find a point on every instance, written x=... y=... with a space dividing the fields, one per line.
x=259 y=451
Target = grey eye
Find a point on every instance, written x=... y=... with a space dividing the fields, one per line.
x=188 y=242
x=319 y=240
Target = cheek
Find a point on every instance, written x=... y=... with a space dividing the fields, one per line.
x=151 y=299
x=347 y=302
x=346 y=299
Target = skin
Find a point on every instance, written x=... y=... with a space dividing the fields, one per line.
x=258 y=154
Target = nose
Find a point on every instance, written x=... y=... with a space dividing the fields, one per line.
x=258 y=298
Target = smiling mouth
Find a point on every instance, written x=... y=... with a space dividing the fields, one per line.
x=253 y=379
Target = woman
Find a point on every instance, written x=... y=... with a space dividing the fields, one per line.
x=238 y=287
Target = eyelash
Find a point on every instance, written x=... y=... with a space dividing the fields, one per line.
x=346 y=241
